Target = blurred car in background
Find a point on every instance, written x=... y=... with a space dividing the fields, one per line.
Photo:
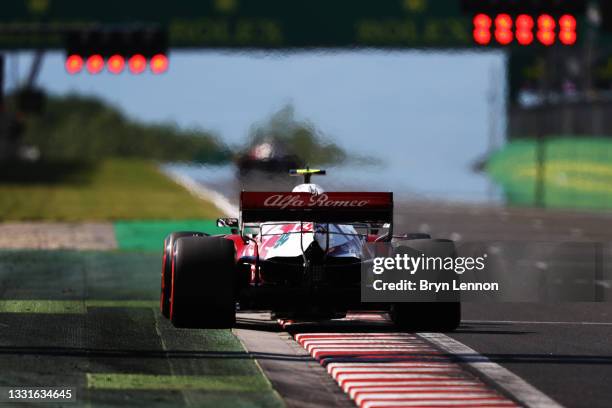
x=269 y=156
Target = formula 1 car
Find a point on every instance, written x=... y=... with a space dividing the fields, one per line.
x=297 y=254
x=268 y=156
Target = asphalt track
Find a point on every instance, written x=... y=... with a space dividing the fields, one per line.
x=98 y=328
x=563 y=349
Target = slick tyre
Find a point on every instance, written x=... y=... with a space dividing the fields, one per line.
x=202 y=289
x=441 y=313
x=166 y=271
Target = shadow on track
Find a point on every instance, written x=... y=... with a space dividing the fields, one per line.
x=541 y=359
x=174 y=354
x=472 y=330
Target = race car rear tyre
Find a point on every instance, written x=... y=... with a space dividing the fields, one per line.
x=435 y=316
x=202 y=290
x=441 y=315
x=166 y=272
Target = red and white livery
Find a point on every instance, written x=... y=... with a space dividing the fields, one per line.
x=294 y=253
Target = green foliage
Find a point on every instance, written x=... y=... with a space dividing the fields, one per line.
x=85 y=128
x=300 y=137
x=116 y=189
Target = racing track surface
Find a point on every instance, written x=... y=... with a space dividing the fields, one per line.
x=380 y=367
x=568 y=361
x=564 y=349
x=98 y=328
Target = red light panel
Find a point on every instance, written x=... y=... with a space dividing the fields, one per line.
x=482 y=29
x=74 y=64
x=546 y=23
x=524 y=22
x=137 y=64
x=115 y=64
x=503 y=22
x=524 y=29
x=546 y=37
x=482 y=37
x=524 y=25
x=546 y=30
x=503 y=29
x=159 y=64
x=504 y=37
x=95 y=64
x=567 y=22
x=567 y=37
x=482 y=21
x=567 y=32
x=524 y=37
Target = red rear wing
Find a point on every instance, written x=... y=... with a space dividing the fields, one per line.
x=336 y=207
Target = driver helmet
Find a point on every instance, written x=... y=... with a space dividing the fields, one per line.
x=308 y=188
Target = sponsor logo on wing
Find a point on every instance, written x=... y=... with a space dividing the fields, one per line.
x=283 y=201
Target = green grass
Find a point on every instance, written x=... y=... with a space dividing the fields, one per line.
x=42 y=306
x=227 y=383
x=88 y=276
x=100 y=309
x=69 y=306
x=578 y=172
x=149 y=235
x=111 y=190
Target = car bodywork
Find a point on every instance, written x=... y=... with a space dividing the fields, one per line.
x=296 y=253
x=299 y=250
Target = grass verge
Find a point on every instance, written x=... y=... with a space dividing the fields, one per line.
x=111 y=190
x=149 y=235
x=92 y=317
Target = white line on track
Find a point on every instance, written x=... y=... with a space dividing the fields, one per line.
x=383 y=369
x=536 y=322
x=412 y=396
x=332 y=366
x=357 y=391
x=506 y=380
x=202 y=192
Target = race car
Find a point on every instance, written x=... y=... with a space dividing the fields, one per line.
x=269 y=156
x=296 y=254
